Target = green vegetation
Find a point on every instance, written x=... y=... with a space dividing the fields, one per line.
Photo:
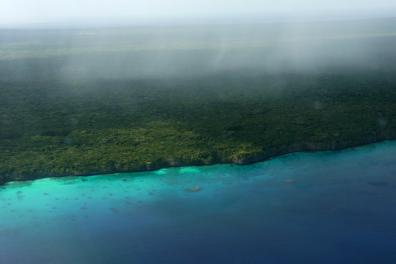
x=55 y=123
x=56 y=129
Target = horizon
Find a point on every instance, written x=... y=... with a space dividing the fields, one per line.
x=45 y=14
x=163 y=23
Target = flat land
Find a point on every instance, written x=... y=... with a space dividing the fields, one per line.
x=78 y=102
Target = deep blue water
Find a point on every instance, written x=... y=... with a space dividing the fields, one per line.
x=328 y=207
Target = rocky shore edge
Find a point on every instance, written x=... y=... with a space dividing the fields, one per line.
x=242 y=160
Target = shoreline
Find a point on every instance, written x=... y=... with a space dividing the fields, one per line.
x=307 y=148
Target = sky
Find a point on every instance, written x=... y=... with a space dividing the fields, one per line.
x=14 y=12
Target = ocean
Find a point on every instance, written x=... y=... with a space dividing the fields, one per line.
x=323 y=207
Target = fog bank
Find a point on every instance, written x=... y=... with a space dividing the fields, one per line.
x=180 y=51
x=117 y=12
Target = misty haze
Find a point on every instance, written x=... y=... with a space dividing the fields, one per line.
x=197 y=132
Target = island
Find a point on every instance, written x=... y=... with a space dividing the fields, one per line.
x=54 y=123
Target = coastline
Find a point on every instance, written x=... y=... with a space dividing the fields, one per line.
x=308 y=148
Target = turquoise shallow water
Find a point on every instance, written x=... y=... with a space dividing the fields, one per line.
x=328 y=207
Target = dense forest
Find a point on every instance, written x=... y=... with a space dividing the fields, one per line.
x=54 y=126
